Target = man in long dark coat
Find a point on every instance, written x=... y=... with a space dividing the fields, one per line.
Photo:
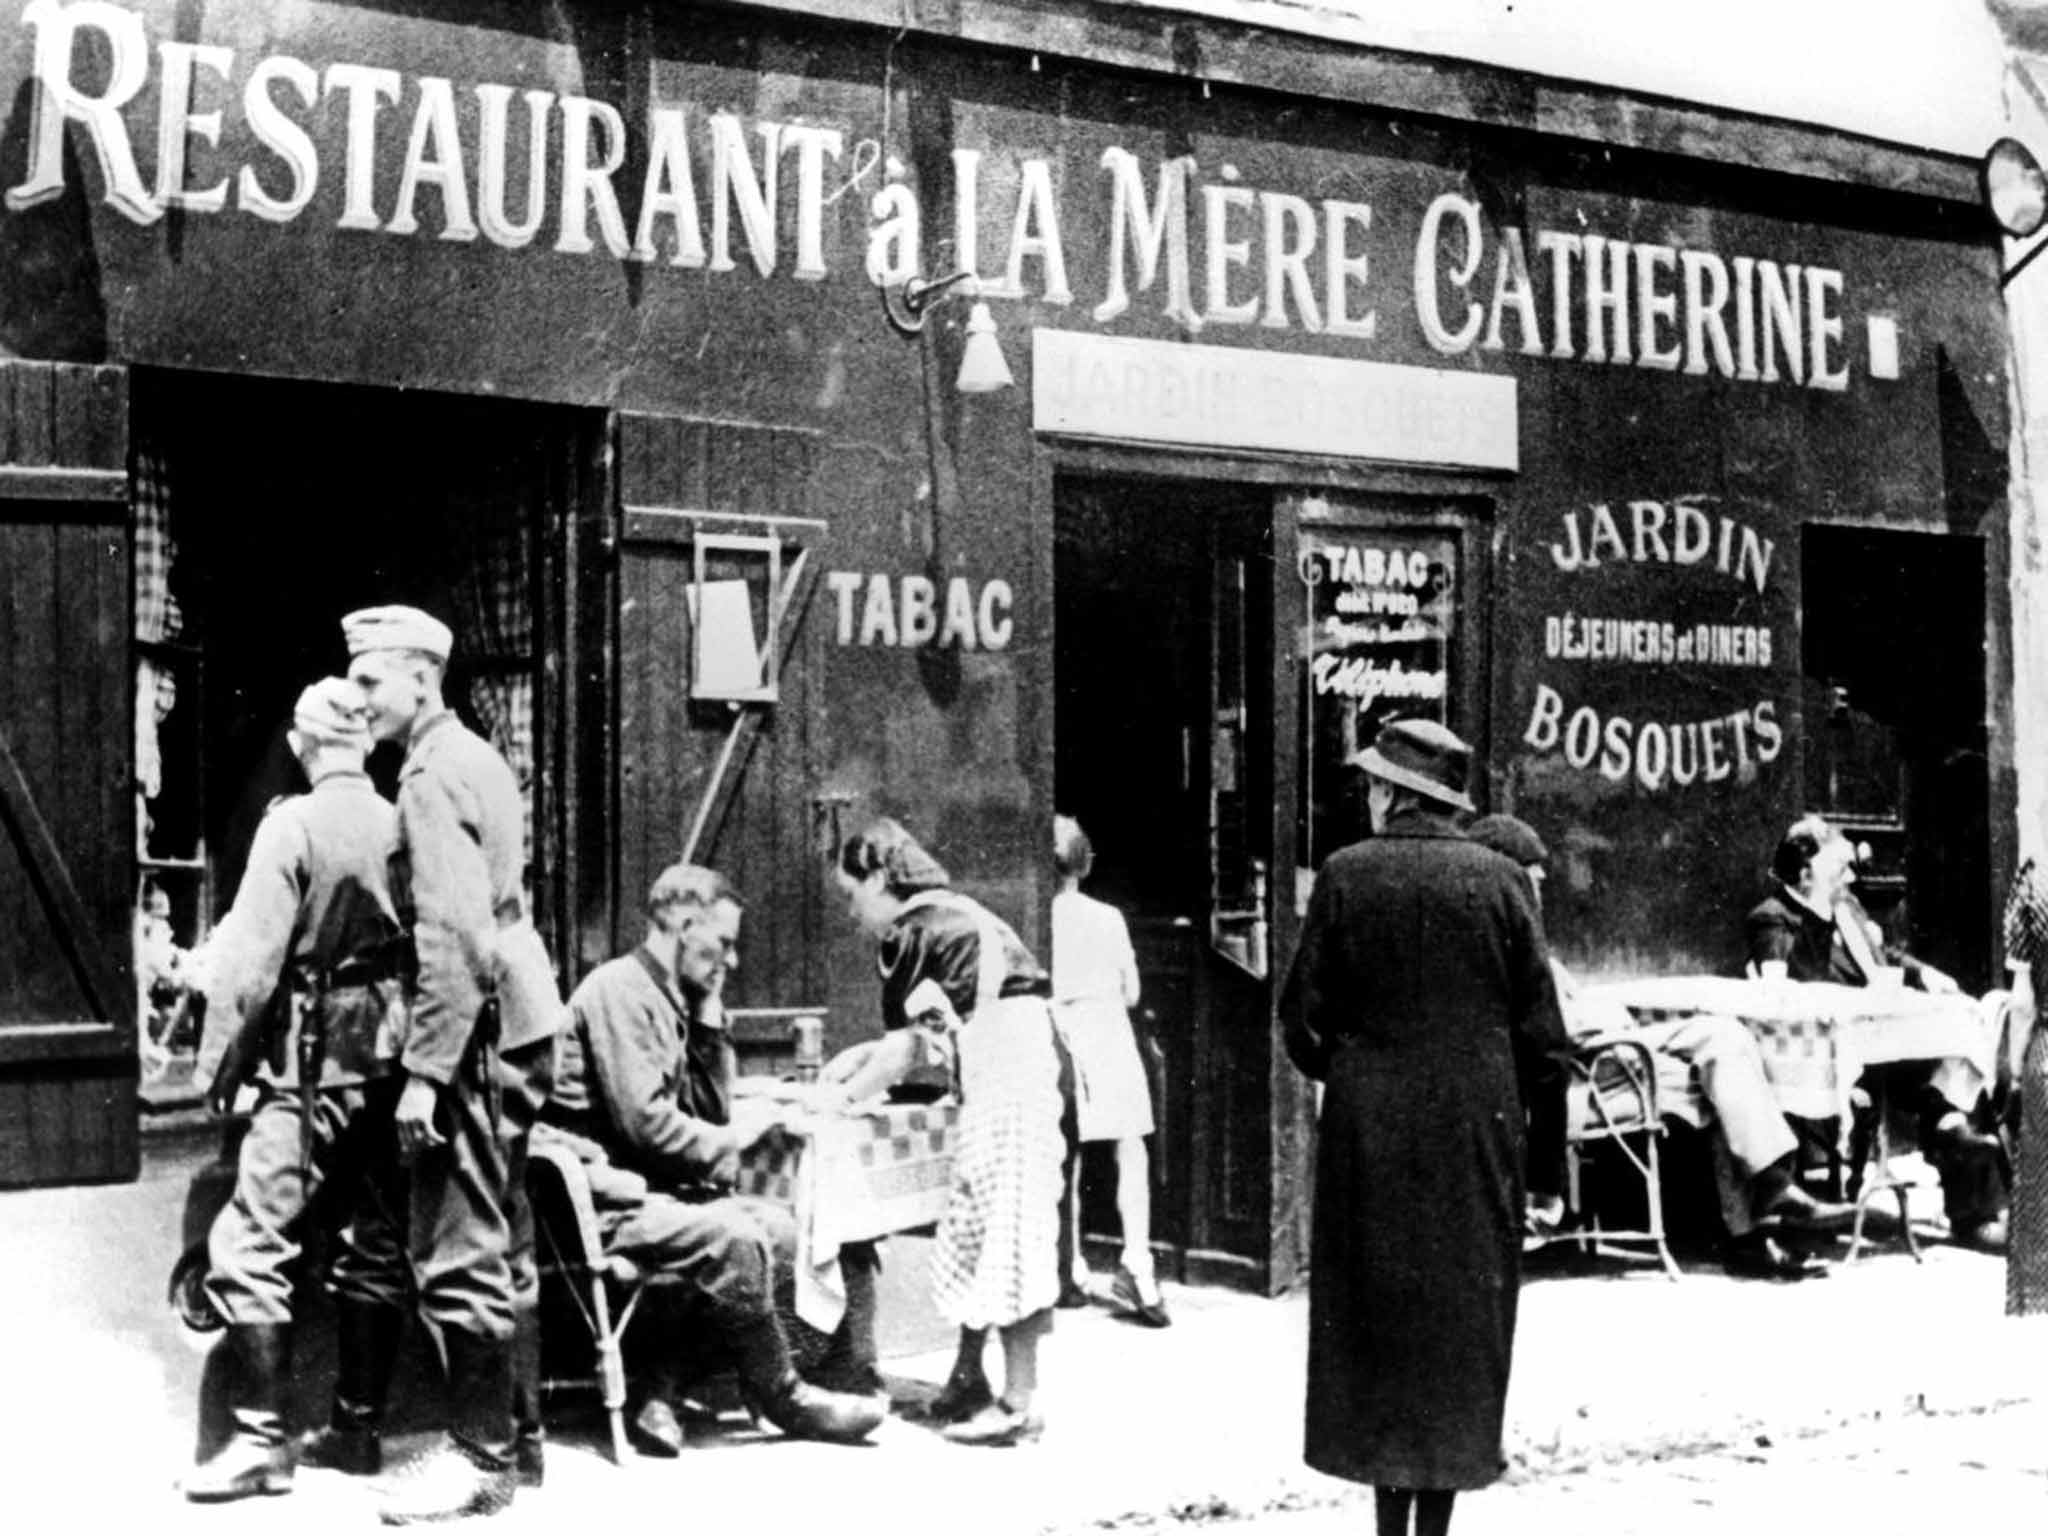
x=1420 y=967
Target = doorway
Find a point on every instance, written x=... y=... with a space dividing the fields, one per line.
x=1164 y=753
x=1892 y=651
x=264 y=511
x=1222 y=652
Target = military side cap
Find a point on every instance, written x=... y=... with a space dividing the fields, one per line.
x=1422 y=756
x=333 y=709
x=395 y=627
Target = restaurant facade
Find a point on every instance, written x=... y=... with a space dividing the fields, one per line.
x=1660 y=453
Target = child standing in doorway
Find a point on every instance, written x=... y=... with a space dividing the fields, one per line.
x=1094 y=987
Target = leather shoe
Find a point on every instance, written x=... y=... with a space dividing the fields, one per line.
x=350 y=1448
x=1986 y=1236
x=656 y=1429
x=248 y=1466
x=962 y=1397
x=1149 y=1314
x=1953 y=1137
x=1792 y=1207
x=997 y=1424
x=1762 y=1257
x=806 y=1412
x=1072 y=1296
x=453 y=1482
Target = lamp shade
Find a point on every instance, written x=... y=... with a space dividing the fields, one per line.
x=2015 y=189
x=982 y=368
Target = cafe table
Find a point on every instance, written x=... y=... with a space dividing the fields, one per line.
x=850 y=1177
x=1816 y=1038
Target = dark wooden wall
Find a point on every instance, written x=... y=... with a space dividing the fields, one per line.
x=67 y=853
x=676 y=477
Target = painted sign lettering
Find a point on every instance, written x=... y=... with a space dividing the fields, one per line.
x=1383 y=611
x=279 y=138
x=1700 y=547
x=1656 y=753
x=879 y=609
x=1626 y=302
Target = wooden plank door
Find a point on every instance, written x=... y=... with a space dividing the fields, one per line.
x=67 y=792
x=729 y=781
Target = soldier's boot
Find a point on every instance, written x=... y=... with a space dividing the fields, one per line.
x=529 y=1433
x=366 y=1340
x=257 y=1458
x=473 y=1472
x=778 y=1394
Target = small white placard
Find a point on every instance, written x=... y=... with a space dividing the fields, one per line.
x=728 y=656
x=1147 y=391
x=1884 y=346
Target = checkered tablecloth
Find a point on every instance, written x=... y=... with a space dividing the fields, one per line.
x=851 y=1178
x=1816 y=1038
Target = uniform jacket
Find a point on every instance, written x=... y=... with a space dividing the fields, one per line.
x=463 y=825
x=316 y=897
x=643 y=1079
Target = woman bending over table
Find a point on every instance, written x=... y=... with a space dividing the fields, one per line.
x=959 y=988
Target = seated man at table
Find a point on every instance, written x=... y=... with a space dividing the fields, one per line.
x=1753 y=1145
x=1812 y=928
x=643 y=1092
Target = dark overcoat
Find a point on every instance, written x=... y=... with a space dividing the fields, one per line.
x=1420 y=965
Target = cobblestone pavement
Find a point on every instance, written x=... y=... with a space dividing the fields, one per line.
x=1906 y=1475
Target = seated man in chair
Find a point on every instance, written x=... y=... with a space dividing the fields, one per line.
x=643 y=1094
x=1812 y=928
x=1753 y=1144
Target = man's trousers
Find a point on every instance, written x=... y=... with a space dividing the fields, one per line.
x=471 y=1233
x=258 y=1235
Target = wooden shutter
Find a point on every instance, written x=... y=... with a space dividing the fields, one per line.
x=730 y=784
x=67 y=792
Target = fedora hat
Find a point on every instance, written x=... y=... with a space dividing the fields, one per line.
x=1422 y=756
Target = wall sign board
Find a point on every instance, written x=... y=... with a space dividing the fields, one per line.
x=1141 y=390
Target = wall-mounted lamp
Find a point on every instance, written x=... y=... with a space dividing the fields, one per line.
x=2016 y=193
x=982 y=366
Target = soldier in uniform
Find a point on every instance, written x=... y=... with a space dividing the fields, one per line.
x=478 y=1060
x=644 y=1098
x=308 y=1002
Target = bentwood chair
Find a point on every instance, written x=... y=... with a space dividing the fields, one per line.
x=604 y=1291
x=1611 y=1101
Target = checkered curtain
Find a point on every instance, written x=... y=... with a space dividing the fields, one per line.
x=497 y=624
x=157 y=618
x=2026 y=916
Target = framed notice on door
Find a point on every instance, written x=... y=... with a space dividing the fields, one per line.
x=1386 y=608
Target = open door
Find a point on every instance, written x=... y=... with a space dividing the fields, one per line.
x=1164 y=752
x=1892 y=651
x=67 y=779
x=1221 y=652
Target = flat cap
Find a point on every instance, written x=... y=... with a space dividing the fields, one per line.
x=395 y=627
x=333 y=709
x=1509 y=835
